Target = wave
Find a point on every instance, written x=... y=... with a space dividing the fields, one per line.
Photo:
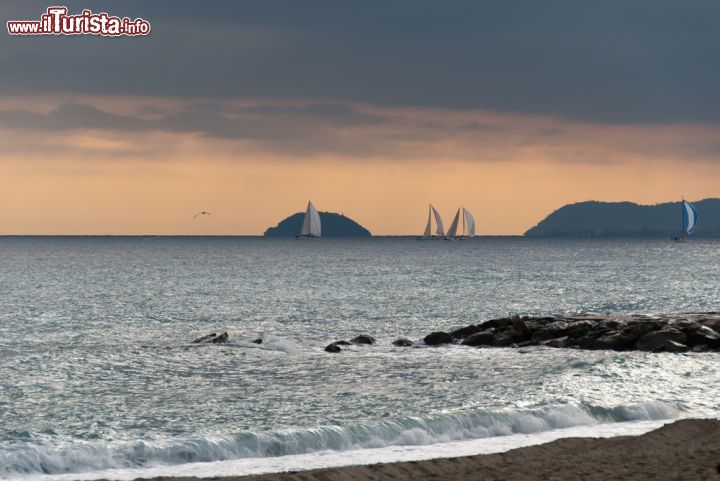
x=54 y=454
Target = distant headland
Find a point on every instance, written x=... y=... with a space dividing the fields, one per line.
x=608 y=219
x=333 y=225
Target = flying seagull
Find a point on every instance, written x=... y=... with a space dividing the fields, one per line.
x=202 y=213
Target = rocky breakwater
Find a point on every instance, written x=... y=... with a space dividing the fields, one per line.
x=697 y=332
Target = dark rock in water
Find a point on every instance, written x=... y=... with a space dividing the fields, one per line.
x=205 y=338
x=660 y=340
x=437 y=338
x=668 y=333
x=521 y=326
x=672 y=346
x=333 y=347
x=363 y=339
x=212 y=339
x=222 y=338
x=624 y=338
x=504 y=339
x=703 y=336
x=464 y=332
x=402 y=342
x=482 y=338
x=342 y=343
x=333 y=225
x=496 y=323
x=712 y=323
x=257 y=341
x=552 y=331
x=557 y=342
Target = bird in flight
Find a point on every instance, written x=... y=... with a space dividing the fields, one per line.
x=202 y=213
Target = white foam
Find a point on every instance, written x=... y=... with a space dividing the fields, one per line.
x=329 y=459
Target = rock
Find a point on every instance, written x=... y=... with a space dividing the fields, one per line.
x=557 y=342
x=437 y=338
x=342 y=343
x=496 y=323
x=222 y=338
x=363 y=339
x=482 y=338
x=503 y=339
x=402 y=342
x=659 y=340
x=333 y=347
x=552 y=330
x=703 y=336
x=624 y=338
x=713 y=323
x=257 y=341
x=521 y=326
x=672 y=346
x=206 y=338
x=212 y=339
x=464 y=332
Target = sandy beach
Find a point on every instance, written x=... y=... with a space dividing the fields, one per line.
x=684 y=450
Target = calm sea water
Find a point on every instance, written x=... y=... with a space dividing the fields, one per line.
x=97 y=370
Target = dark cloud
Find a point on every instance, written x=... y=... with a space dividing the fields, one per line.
x=298 y=130
x=616 y=61
x=255 y=122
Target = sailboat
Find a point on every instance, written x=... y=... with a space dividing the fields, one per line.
x=468 y=225
x=439 y=232
x=689 y=221
x=311 y=223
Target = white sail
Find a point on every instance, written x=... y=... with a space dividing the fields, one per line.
x=438 y=220
x=690 y=217
x=452 y=231
x=428 y=227
x=311 y=222
x=469 y=223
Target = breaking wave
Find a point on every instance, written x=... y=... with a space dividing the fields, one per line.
x=27 y=454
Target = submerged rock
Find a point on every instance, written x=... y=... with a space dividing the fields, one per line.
x=363 y=339
x=205 y=338
x=333 y=347
x=257 y=341
x=402 y=342
x=212 y=339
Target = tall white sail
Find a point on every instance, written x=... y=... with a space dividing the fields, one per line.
x=452 y=231
x=428 y=227
x=311 y=222
x=469 y=222
x=438 y=220
x=689 y=217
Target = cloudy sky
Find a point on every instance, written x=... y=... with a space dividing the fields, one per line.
x=247 y=109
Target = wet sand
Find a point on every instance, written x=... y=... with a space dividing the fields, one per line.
x=684 y=450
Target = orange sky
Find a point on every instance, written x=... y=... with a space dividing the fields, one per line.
x=510 y=174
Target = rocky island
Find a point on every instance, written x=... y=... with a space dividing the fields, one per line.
x=333 y=225
x=608 y=219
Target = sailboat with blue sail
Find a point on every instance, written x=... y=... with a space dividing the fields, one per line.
x=689 y=221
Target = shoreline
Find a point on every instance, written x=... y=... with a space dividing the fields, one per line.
x=687 y=449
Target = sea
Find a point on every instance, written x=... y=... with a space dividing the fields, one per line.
x=99 y=377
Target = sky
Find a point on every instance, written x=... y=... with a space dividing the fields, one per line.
x=248 y=109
